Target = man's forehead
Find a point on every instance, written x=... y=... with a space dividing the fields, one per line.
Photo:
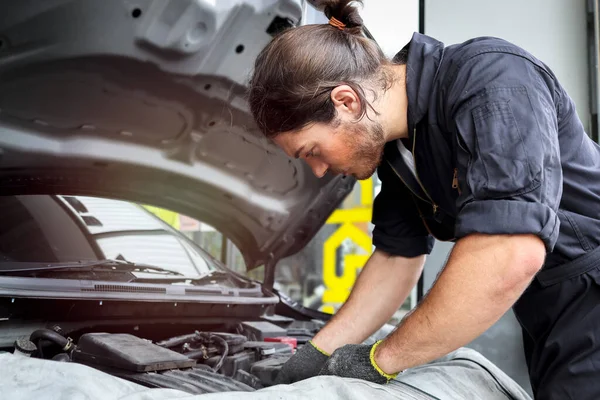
x=288 y=142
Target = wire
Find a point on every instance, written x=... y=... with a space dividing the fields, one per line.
x=196 y=355
x=223 y=342
x=176 y=341
x=204 y=340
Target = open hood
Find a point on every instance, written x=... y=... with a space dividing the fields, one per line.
x=145 y=101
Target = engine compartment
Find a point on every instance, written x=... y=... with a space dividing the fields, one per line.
x=245 y=357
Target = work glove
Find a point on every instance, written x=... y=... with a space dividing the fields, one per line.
x=356 y=361
x=306 y=363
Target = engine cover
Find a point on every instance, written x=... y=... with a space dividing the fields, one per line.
x=127 y=352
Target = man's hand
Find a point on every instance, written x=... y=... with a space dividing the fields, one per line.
x=356 y=361
x=306 y=363
x=380 y=289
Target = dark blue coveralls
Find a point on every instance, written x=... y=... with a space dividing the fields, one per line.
x=499 y=149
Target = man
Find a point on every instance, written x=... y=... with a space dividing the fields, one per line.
x=477 y=143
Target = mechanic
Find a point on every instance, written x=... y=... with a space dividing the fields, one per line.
x=477 y=143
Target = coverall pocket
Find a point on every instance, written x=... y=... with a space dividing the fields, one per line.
x=501 y=166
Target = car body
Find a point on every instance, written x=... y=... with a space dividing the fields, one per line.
x=105 y=106
x=97 y=99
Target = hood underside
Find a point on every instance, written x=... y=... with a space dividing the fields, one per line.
x=145 y=101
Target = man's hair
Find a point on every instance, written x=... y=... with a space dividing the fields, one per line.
x=296 y=72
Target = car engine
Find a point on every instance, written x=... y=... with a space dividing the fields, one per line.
x=197 y=362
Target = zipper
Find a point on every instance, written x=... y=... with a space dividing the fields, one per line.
x=417 y=196
x=407 y=186
x=433 y=205
x=455 y=180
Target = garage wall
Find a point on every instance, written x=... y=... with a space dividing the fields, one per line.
x=555 y=32
x=392 y=23
x=552 y=30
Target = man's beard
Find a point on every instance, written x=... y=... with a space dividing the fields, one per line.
x=367 y=140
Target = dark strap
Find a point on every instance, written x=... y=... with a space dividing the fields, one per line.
x=574 y=268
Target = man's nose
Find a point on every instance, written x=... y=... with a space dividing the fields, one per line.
x=318 y=167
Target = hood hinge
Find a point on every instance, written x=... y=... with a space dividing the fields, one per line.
x=269 y=280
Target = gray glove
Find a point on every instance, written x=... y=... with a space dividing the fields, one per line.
x=306 y=363
x=356 y=361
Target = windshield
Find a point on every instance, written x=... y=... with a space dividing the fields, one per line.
x=62 y=229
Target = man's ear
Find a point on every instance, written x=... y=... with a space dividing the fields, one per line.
x=346 y=101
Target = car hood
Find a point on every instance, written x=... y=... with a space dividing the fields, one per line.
x=145 y=101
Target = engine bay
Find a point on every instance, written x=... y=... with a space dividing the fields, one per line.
x=246 y=357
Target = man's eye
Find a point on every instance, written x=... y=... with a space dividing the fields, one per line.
x=310 y=154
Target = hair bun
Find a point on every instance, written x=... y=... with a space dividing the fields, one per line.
x=345 y=11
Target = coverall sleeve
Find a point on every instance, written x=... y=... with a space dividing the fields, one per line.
x=508 y=155
x=398 y=227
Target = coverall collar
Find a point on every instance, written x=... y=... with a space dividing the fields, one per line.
x=424 y=58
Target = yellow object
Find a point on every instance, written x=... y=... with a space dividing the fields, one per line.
x=338 y=287
x=170 y=217
x=366 y=192
x=318 y=348
x=374 y=364
x=357 y=214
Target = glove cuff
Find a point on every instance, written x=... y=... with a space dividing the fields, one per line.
x=320 y=350
x=374 y=364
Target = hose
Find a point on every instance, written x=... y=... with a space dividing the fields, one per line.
x=203 y=339
x=177 y=341
x=196 y=354
x=49 y=335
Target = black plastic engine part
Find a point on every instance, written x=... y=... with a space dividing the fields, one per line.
x=248 y=379
x=197 y=380
x=233 y=363
x=127 y=352
x=259 y=330
x=253 y=352
x=303 y=331
x=235 y=342
x=301 y=335
x=266 y=370
x=266 y=349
